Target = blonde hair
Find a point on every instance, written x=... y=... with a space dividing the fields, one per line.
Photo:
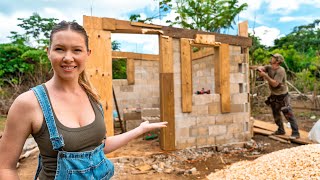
x=86 y=85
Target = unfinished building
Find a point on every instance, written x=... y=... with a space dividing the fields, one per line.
x=199 y=82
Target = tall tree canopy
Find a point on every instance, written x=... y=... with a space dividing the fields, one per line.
x=205 y=15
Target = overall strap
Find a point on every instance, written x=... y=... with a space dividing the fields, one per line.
x=56 y=139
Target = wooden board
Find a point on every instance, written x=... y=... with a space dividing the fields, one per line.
x=186 y=75
x=140 y=24
x=268 y=128
x=99 y=69
x=243 y=29
x=202 y=53
x=205 y=39
x=166 y=54
x=130 y=71
x=224 y=61
x=137 y=56
x=217 y=70
x=90 y=22
x=167 y=135
x=108 y=24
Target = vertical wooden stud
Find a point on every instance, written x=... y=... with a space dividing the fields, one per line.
x=186 y=75
x=130 y=71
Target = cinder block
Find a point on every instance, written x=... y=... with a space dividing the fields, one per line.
x=217 y=130
x=193 y=131
x=211 y=140
x=235 y=128
x=150 y=112
x=200 y=110
x=203 y=131
x=237 y=108
x=202 y=141
x=239 y=98
x=132 y=116
x=185 y=121
x=214 y=108
x=224 y=119
x=131 y=124
x=186 y=143
x=182 y=132
x=206 y=120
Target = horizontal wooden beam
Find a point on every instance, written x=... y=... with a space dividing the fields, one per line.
x=137 y=56
x=121 y=26
x=203 y=52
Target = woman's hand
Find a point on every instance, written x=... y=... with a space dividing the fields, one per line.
x=146 y=126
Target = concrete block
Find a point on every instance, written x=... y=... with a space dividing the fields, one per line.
x=237 y=108
x=217 y=130
x=237 y=78
x=185 y=143
x=200 y=110
x=239 y=98
x=131 y=124
x=176 y=45
x=202 y=141
x=214 y=108
x=150 y=112
x=224 y=119
x=234 y=50
x=234 y=88
x=211 y=140
x=206 y=120
x=132 y=116
x=182 y=132
x=235 y=128
x=203 y=131
x=202 y=99
x=185 y=121
x=193 y=131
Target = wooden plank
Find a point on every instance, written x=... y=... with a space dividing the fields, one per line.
x=99 y=68
x=186 y=75
x=140 y=24
x=279 y=139
x=130 y=71
x=203 y=52
x=166 y=54
x=167 y=135
x=217 y=69
x=243 y=29
x=224 y=61
x=223 y=38
x=205 y=39
x=108 y=24
x=90 y=22
x=137 y=56
x=262 y=131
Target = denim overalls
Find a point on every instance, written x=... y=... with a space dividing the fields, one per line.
x=88 y=165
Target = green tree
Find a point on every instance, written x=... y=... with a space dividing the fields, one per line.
x=36 y=28
x=205 y=15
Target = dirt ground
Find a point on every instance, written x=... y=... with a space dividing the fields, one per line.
x=211 y=162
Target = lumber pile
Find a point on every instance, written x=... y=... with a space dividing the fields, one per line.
x=265 y=128
x=301 y=162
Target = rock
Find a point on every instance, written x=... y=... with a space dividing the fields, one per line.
x=168 y=171
x=161 y=165
x=123 y=160
x=155 y=167
x=144 y=167
x=313 y=117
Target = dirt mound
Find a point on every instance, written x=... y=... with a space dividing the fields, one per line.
x=295 y=163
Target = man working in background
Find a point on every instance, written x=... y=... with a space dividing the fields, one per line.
x=279 y=100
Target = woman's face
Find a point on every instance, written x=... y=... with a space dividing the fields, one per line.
x=68 y=54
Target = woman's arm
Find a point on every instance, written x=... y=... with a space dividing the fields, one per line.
x=18 y=128
x=114 y=142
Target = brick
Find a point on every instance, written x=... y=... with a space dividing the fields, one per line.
x=214 y=108
x=224 y=119
x=217 y=130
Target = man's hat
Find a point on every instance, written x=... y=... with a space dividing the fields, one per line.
x=278 y=57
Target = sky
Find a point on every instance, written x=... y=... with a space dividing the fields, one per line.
x=268 y=19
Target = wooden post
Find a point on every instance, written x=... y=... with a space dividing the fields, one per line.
x=222 y=76
x=167 y=136
x=130 y=71
x=186 y=75
x=243 y=29
x=99 y=66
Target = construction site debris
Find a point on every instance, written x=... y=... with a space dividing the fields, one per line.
x=302 y=162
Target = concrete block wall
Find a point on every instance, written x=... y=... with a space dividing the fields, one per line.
x=206 y=125
x=144 y=93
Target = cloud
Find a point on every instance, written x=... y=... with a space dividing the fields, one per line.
x=266 y=34
x=287 y=6
x=304 y=19
x=251 y=13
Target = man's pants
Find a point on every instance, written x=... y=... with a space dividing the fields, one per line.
x=281 y=103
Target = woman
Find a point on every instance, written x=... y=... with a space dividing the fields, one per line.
x=64 y=117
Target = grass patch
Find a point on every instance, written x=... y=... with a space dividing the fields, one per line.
x=2 y=123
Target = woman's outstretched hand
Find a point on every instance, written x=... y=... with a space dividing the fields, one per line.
x=146 y=126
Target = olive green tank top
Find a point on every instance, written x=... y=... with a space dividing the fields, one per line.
x=81 y=139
